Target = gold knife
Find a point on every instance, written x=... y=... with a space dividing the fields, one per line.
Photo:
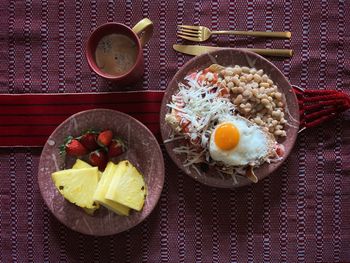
x=198 y=50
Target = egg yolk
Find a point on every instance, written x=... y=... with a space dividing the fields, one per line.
x=226 y=136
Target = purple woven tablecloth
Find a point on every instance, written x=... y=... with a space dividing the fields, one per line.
x=299 y=214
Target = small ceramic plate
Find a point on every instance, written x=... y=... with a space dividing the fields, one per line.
x=143 y=151
x=230 y=57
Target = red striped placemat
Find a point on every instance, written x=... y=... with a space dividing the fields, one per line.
x=29 y=119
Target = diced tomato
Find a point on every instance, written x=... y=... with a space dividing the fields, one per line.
x=184 y=125
x=280 y=150
x=192 y=75
x=201 y=78
x=206 y=70
x=224 y=91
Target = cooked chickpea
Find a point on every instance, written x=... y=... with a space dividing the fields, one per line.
x=229 y=72
x=260 y=72
x=257 y=120
x=278 y=95
x=264 y=84
x=249 y=77
x=247 y=93
x=240 y=89
x=264 y=78
x=237 y=70
x=242 y=105
x=252 y=71
x=228 y=78
x=255 y=85
x=247 y=109
x=270 y=82
x=276 y=113
x=257 y=78
x=243 y=79
x=235 y=80
x=278 y=132
x=257 y=100
x=241 y=84
x=245 y=69
x=234 y=90
x=238 y=99
x=230 y=85
x=265 y=101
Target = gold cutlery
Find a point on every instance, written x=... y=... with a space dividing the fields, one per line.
x=201 y=33
x=198 y=50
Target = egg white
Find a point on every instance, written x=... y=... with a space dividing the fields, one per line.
x=253 y=147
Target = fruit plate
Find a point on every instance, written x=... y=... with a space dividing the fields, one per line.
x=231 y=57
x=143 y=151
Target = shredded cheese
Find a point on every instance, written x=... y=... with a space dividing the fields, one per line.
x=200 y=107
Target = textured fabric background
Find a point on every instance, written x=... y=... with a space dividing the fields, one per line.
x=299 y=214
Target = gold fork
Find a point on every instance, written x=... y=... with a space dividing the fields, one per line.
x=201 y=33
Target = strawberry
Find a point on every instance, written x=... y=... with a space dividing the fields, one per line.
x=117 y=147
x=105 y=138
x=89 y=140
x=73 y=147
x=98 y=158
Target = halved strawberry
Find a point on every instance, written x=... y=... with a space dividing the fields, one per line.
x=117 y=147
x=89 y=140
x=73 y=147
x=105 y=138
x=98 y=158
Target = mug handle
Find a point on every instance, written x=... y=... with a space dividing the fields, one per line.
x=144 y=29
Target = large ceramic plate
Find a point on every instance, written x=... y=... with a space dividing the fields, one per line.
x=143 y=151
x=230 y=57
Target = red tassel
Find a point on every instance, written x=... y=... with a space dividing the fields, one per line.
x=319 y=106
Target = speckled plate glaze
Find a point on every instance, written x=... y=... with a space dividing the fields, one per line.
x=230 y=57
x=143 y=151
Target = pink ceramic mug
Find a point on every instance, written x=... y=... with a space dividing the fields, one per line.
x=139 y=34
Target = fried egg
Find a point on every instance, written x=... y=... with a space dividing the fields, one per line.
x=235 y=141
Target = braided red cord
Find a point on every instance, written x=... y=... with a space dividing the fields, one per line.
x=318 y=106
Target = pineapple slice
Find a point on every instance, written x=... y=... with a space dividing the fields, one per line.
x=77 y=185
x=127 y=187
x=99 y=195
x=79 y=164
